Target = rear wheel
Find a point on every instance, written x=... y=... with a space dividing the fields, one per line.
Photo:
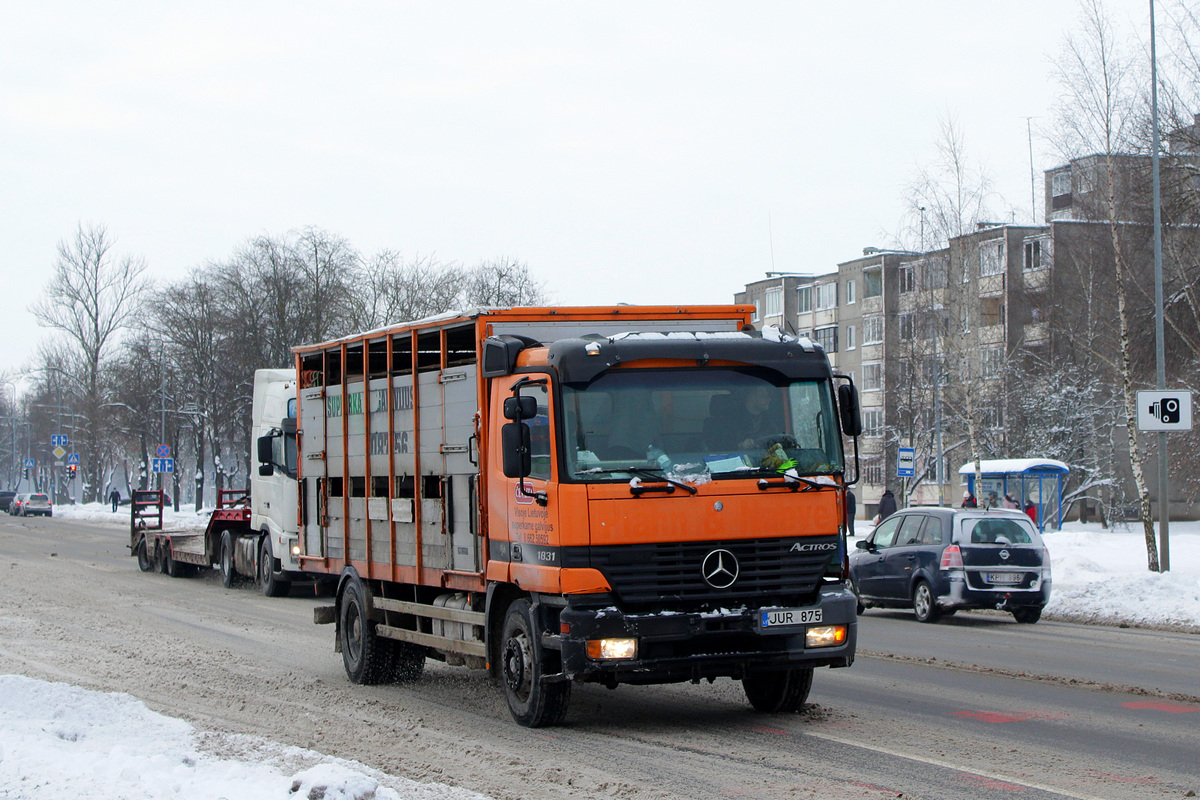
x=408 y=661
x=532 y=703
x=778 y=690
x=368 y=657
x=924 y=605
x=145 y=564
x=1028 y=615
x=227 y=573
x=271 y=586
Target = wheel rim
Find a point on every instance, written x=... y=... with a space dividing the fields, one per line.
x=923 y=601
x=264 y=563
x=517 y=660
x=354 y=634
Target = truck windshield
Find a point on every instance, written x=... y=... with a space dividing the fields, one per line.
x=718 y=422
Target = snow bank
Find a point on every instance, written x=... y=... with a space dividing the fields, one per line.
x=64 y=742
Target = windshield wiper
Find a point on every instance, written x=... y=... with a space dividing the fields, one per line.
x=791 y=481
x=647 y=473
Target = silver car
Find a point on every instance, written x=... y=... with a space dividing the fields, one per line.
x=37 y=504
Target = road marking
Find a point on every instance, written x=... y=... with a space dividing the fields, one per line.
x=1170 y=706
x=1015 y=716
x=954 y=767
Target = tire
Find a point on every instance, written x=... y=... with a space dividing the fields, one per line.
x=522 y=663
x=170 y=567
x=271 y=586
x=923 y=603
x=1027 y=615
x=368 y=657
x=228 y=576
x=778 y=691
x=145 y=564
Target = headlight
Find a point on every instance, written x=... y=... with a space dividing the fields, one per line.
x=824 y=635
x=611 y=649
x=296 y=550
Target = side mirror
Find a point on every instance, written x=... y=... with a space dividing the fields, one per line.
x=266 y=470
x=848 y=411
x=863 y=544
x=519 y=408
x=265 y=449
x=517 y=446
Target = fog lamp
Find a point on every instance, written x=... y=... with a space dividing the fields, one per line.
x=824 y=635
x=610 y=649
x=296 y=550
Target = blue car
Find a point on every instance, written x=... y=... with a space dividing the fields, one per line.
x=938 y=560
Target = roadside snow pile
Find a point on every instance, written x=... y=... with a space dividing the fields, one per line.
x=59 y=741
x=1101 y=576
x=185 y=518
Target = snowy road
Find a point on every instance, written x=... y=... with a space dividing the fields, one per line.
x=74 y=608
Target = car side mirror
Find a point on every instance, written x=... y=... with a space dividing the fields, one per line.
x=863 y=544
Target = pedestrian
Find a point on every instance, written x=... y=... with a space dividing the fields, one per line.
x=1031 y=510
x=887 y=505
x=851 y=512
x=115 y=498
x=1009 y=502
x=969 y=500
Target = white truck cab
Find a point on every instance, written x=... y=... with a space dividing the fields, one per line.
x=273 y=495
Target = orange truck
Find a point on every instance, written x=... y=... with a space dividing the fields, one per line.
x=624 y=494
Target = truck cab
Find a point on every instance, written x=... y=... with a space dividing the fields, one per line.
x=273 y=495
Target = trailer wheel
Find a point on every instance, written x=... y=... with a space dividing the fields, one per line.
x=368 y=657
x=532 y=703
x=227 y=571
x=271 y=586
x=778 y=690
x=145 y=564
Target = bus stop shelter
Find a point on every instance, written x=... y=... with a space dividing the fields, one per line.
x=1028 y=480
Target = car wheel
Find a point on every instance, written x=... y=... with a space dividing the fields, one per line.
x=924 y=606
x=532 y=703
x=366 y=655
x=1027 y=615
x=778 y=691
x=271 y=586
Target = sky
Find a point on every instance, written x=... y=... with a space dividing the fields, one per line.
x=60 y=742
x=665 y=152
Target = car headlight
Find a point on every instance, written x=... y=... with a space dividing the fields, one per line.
x=824 y=635
x=611 y=649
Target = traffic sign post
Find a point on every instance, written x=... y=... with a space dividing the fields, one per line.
x=163 y=464
x=1164 y=411
x=906 y=462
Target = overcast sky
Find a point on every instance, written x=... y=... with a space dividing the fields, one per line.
x=651 y=152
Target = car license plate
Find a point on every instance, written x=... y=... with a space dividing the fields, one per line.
x=782 y=617
x=1004 y=577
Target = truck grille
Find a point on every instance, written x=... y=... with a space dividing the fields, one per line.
x=770 y=571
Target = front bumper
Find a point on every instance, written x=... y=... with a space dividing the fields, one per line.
x=684 y=646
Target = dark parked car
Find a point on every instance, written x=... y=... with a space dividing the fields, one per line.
x=938 y=560
x=5 y=499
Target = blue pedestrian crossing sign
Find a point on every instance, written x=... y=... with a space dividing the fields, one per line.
x=29 y=463
x=73 y=459
x=163 y=464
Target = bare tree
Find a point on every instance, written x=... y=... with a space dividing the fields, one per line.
x=93 y=295
x=503 y=282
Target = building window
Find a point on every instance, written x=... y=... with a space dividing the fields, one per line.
x=991 y=311
x=992 y=362
x=850 y=300
x=908 y=279
x=850 y=345
x=939 y=272
x=873 y=474
x=757 y=310
x=826 y=296
x=1034 y=254
x=905 y=327
x=1060 y=183
x=827 y=338
x=773 y=301
x=872 y=420
x=991 y=257
x=872 y=282
x=804 y=299
x=872 y=330
x=872 y=377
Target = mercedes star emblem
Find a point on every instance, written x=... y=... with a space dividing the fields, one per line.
x=719 y=569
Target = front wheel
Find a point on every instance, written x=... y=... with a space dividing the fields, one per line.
x=271 y=586
x=779 y=690
x=226 y=563
x=532 y=703
x=924 y=605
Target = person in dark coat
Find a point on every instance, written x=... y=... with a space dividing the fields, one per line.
x=887 y=505
x=851 y=511
x=115 y=499
x=969 y=500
